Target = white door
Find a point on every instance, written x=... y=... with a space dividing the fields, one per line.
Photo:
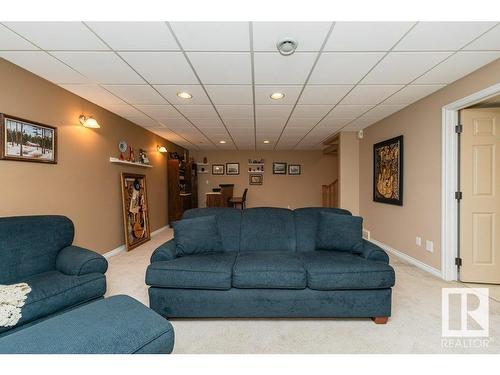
x=480 y=204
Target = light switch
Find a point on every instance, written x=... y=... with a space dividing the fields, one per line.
x=418 y=241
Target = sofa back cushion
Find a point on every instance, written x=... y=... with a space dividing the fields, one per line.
x=267 y=229
x=197 y=236
x=228 y=221
x=340 y=233
x=306 y=223
x=29 y=245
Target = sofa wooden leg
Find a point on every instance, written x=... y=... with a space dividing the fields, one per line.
x=380 y=319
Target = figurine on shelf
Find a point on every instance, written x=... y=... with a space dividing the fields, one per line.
x=131 y=156
x=205 y=160
x=143 y=156
x=122 y=146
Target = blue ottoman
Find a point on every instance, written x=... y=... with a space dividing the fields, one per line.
x=115 y=325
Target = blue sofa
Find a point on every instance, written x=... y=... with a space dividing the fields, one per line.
x=38 y=250
x=270 y=267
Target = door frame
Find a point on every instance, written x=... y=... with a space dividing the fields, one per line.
x=449 y=173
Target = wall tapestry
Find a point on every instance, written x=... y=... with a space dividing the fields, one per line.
x=388 y=171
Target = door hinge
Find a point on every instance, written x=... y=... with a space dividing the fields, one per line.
x=459 y=129
x=458 y=195
x=458 y=262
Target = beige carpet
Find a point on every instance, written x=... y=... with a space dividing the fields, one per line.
x=415 y=326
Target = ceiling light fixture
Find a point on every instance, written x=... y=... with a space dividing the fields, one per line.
x=266 y=142
x=277 y=95
x=287 y=46
x=222 y=142
x=184 y=95
x=89 y=122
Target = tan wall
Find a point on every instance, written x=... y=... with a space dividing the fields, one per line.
x=420 y=124
x=349 y=171
x=277 y=190
x=84 y=185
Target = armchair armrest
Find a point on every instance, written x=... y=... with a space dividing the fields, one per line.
x=374 y=252
x=166 y=251
x=74 y=260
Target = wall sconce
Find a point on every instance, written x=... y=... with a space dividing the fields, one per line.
x=89 y=122
x=161 y=149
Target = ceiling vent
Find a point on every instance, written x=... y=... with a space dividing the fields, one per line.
x=287 y=46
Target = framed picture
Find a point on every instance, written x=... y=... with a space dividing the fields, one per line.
x=294 y=169
x=24 y=140
x=256 y=179
x=135 y=210
x=218 y=169
x=232 y=168
x=388 y=171
x=279 y=168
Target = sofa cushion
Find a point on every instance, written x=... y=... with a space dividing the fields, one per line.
x=306 y=225
x=336 y=270
x=266 y=228
x=54 y=291
x=200 y=271
x=228 y=221
x=340 y=233
x=197 y=236
x=272 y=269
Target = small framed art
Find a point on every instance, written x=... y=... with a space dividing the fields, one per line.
x=294 y=169
x=279 y=167
x=232 y=169
x=256 y=179
x=218 y=169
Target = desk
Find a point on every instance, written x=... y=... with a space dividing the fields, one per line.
x=214 y=199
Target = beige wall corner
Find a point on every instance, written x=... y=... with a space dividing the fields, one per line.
x=349 y=172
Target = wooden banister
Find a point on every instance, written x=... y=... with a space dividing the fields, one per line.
x=330 y=194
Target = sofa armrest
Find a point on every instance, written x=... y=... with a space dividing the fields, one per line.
x=74 y=260
x=166 y=251
x=374 y=252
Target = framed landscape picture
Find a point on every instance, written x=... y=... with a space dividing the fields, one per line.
x=218 y=169
x=256 y=179
x=294 y=169
x=279 y=167
x=24 y=140
x=388 y=171
x=135 y=209
x=232 y=169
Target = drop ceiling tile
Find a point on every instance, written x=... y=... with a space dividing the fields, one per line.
x=94 y=94
x=489 y=41
x=101 y=67
x=235 y=111
x=197 y=111
x=222 y=67
x=10 y=41
x=412 y=93
x=123 y=110
x=300 y=123
x=403 y=67
x=44 y=65
x=159 y=112
x=274 y=111
x=382 y=111
x=212 y=123
x=235 y=123
x=366 y=36
x=370 y=94
x=161 y=67
x=58 y=35
x=313 y=111
x=343 y=68
x=309 y=35
x=348 y=111
x=136 y=94
x=275 y=69
x=170 y=93
x=334 y=123
x=212 y=36
x=263 y=94
x=359 y=124
x=441 y=36
x=270 y=123
x=144 y=121
x=230 y=94
x=458 y=66
x=320 y=94
x=135 y=35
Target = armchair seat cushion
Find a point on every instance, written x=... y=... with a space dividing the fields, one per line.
x=54 y=291
x=199 y=271
x=269 y=269
x=337 y=270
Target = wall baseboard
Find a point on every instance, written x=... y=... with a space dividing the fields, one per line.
x=122 y=248
x=415 y=262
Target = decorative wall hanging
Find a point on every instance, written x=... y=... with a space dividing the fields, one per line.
x=24 y=140
x=232 y=169
x=218 y=169
x=135 y=209
x=388 y=171
x=294 y=169
x=256 y=179
x=279 y=168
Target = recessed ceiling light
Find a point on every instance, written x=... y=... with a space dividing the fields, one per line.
x=222 y=141
x=184 y=95
x=266 y=142
x=277 y=95
x=287 y=46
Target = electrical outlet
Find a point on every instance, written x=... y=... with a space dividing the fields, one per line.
x=418 y=241
x=366 y=234
x=429 y=246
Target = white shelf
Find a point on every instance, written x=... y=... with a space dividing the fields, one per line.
x=118 y=161
x=257 y=172
x=256 y=164
x=202 y=164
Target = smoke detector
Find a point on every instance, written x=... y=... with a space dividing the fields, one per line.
x=287 y=46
